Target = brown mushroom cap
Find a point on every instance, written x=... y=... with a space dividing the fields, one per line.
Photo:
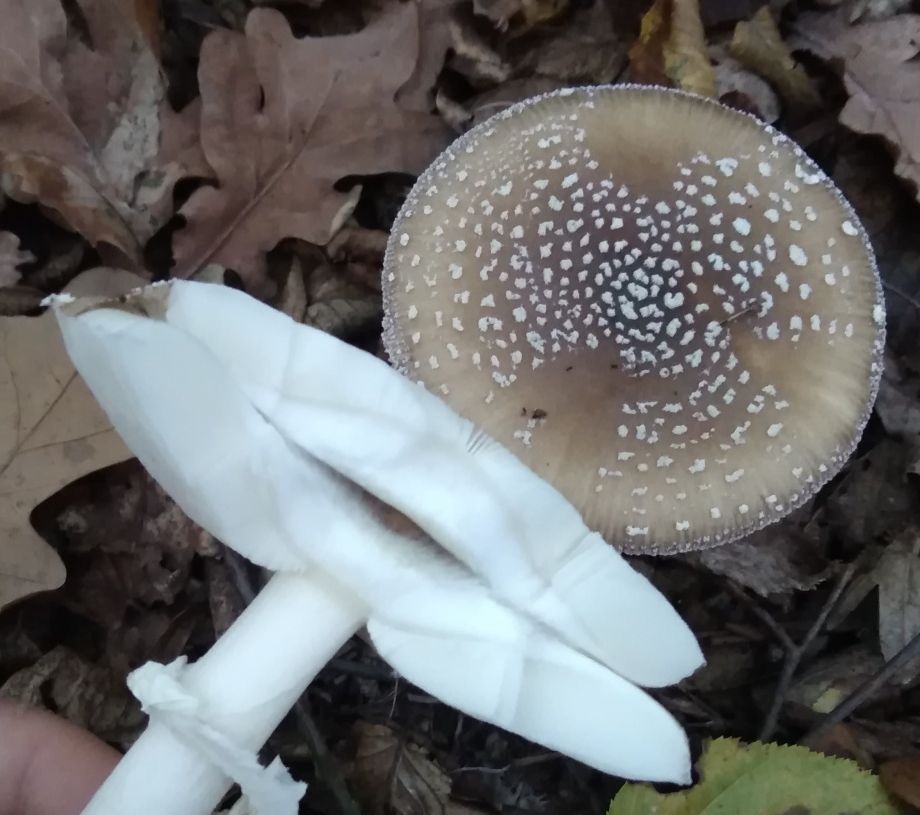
x=661 y=305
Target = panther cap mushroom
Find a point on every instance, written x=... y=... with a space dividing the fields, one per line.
x=659 y=304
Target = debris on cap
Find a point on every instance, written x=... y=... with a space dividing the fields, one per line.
x=659 y=304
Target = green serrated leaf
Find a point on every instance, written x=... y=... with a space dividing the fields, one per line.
x=763 y=779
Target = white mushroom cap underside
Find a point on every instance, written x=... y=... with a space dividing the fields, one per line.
x=660 y=305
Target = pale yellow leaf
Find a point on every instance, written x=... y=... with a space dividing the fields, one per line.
x=51 y=433
x=758 y=45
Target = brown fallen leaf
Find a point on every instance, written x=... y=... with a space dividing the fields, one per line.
x=11 y=258
x=878 y=9
x=583 y=48
x=79 y=119
x=434 y=38
x=901 y=778
x=672 y=48
x=775 y=560
x=898 y=405
x=91 y=696
x=319 y=294
x=523 y=14
x=51 y=432
x=284 y=119
x=742 y=89
x=356 y=243
x=873 y=501
x=125 y=543
x=390 y=775
x=829 y=680
x=474 y=55
x=881 y=74
x=897 y=574
x=758 y=45
x=842 y=740
x=19 y=300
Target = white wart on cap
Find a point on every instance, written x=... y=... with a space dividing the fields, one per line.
x=659 y=304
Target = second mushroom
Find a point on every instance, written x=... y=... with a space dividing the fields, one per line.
x=661 y=305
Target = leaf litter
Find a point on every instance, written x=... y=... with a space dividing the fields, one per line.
x=269 y=148
x=305 y=112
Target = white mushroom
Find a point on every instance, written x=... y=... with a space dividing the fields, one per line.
x=659 y=304
x=467 y=492
x=216 y=418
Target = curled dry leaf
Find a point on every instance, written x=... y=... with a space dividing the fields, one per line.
x=873 y=500
x=359 y=244
x=51 y=432
x=11 y=258
x=758 y=45
x=125 y=542
x=878 y=9
x=901 y=777
x=898 y=577
x=18 y=300
x=586 y=48
x=671 y=48
x=827 y=681
x=283 y=120
x=434 y=39
x=776 y=560
x=79 y=120
x=881 y=74
x=898 y=406
x=320 y=295
x=91 y=696
x=742 y=89
x=524 y=13
x=391 y=776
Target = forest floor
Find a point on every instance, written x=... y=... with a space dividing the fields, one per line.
x=800 y=623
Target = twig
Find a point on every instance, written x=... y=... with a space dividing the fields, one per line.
x=902 y=294
x=865 y=691
x=795 y=652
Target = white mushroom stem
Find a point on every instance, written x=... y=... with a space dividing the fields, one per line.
x=248 y=682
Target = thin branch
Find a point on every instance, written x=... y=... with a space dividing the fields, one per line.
x=902 y=294
x=794 y=652
x=866 y=691
x=794 y=656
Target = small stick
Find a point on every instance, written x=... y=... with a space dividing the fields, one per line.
x=902 y=294
x=795 y=652
x=865 y=691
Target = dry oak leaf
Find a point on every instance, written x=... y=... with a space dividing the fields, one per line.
x=11 y=258
x=283 y=119
x=390 y=775
x=881 y=73
x=51 y=433
x=757 y=44
x=434 y=41
x=898 y=577
x=671 y=48
x=775 y=560
x=80 y=119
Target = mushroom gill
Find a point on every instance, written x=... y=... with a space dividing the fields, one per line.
x=661 y=305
